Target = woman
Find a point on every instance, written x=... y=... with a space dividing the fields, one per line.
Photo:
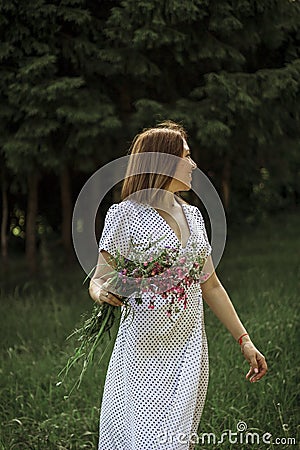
x=157 y=378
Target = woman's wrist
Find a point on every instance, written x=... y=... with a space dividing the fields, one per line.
x=243 y=338
x=95 y=289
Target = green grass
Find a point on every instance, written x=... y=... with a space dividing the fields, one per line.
x=260 y=273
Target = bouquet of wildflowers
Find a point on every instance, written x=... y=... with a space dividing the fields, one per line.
x=167 y=274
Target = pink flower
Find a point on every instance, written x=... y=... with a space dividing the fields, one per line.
x=179 y=273
x=205 y=276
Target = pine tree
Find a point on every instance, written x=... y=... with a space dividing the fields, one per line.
x=229 y=70
x=80 y=78
x=55 y=109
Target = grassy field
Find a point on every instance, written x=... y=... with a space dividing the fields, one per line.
x=259 y=270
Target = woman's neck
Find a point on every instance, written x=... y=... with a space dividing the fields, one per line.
x=167 y=201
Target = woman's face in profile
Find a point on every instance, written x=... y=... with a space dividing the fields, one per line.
x=183 y=175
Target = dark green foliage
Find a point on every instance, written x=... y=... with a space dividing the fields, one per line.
x=55 y=103
x=80 y=78
x=229 y=71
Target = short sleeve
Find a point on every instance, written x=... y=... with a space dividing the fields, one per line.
x=203 y=232
x=115 y=237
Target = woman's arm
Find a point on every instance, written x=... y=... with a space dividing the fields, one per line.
x=99 y=283
x=219 y=302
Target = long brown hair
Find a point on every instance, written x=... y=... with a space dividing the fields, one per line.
x=166 y=137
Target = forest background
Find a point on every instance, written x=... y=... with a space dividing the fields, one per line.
x=78 y=80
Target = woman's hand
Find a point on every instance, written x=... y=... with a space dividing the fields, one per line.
x=99 y=288
x=258 y=365
x=99 y=292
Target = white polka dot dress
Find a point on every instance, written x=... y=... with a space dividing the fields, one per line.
x=157 y=377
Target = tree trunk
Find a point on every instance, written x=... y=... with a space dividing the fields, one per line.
x=67 y=208
x=4 y=223
x=226 y=175
x=32 y=208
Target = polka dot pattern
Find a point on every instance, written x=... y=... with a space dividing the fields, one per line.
x=157 y=377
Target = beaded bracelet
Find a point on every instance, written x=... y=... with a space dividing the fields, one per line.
x=240 y=339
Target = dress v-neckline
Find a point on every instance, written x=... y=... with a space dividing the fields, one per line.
x=171 y=229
